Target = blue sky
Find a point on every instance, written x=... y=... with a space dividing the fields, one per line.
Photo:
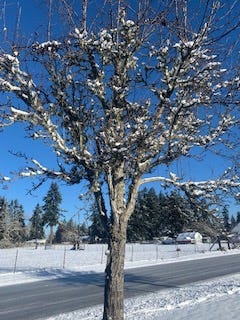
x=13 y=140
x=33 y=15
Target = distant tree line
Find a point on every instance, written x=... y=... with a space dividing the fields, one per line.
x=156 y=215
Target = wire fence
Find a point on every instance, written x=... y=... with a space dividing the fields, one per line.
x=62 y=257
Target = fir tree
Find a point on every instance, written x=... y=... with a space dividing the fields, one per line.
x=225 y=215
x=175 y=214
x=153 y=213
x=233 y=222
x=96 y=229
x=36 y=228
x=17 y=222
x=59 y=235
x=238 y=217
x=3 y=220
x=138 y=225
x=51 y=208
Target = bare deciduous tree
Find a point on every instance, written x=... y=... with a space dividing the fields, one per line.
x=138 y=87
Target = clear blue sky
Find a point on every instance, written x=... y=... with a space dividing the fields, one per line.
x=13 y=139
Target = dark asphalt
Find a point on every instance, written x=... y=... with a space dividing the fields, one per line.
x=51 y=297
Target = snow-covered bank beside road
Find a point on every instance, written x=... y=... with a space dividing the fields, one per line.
x=209 y=300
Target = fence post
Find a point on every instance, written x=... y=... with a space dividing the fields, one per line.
x=102 y=255
x=15 y=263
x=178 y=250
x=156 y=252
x=132 y=254
x=64 y=257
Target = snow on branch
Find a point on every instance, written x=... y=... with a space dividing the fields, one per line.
x=39 y=170
x=199 y=188
x=48 y=46
x=7 y=86
x=51 y=129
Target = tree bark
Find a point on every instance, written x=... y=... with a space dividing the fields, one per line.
x=114 y=274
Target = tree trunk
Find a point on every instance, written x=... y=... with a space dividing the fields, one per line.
x=114 y=274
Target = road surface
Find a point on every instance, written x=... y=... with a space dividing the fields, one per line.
x=51 y=297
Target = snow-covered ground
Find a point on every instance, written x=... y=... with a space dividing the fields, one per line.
x=209 y=300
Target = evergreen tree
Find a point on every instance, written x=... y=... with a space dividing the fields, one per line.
x=83 y=229
x=138 y=225
x=174 y=212
x=203 y=218
x=147 y=221
x=51 y=208
x=16 y=221
x=59 y=234
x=153 y=213
x=225 y=215
x=36 y=228
x=238 y=217
x=155 y=216
x=162 y=219
x=233 y=222
x=3 y=221
x=96 y=229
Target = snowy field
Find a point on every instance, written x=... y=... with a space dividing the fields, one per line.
x=209 y=300
x=91 y=256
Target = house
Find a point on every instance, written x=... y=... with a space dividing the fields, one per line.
x=189 y=237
